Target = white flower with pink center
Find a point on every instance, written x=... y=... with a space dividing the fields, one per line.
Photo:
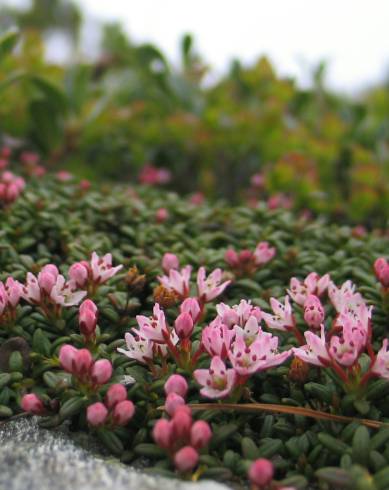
x=217 y=381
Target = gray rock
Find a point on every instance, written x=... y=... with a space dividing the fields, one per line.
x=32 y=458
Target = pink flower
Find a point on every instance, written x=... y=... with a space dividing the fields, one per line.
x=261 y=472
x=381 y=363
x=32 y=404
x=315 y=351
x=260 y=355
x=139 y=348
x=381 y=269
x=67 y=355
x=217 y=381
x=170 y=261
x=85 y=184
x=283 y=318
x=151 y=175
x=238 y=314
x=250 y=330
x=96 y=414
x=178 y=281
x=344 y=298
x=63 y=294
x=209 y=287
x=153 y=328
x=313 y=311
x=216 y=340
x=29 y=158
x=200 y=434
x=176 y=384
x=347 y=347
x=263 y=253
x=232 y=258
x=161 y=215
x=182 y=422
x=14 y=291
x=31 y=291
x=197 y=198
x=78 y=274
x=191 y=306
x=102 y=269
x=123 y=412
x=173 y=402
x=186 y=459
x=116 y=393
x=88 y=317
x=163 y=433
x=257 y=180
x=64 y=176
x=312 y=284
x=183 y=326
x=101 y=372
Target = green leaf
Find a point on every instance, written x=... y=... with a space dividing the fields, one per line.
x=7 y=43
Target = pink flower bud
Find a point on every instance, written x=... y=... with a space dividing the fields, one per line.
x=170 y=261
x=116 y=393
x=96 y=414
x=161 y=215
x=3 y=163
x=381 y=269
x=245 y=256
x=313 y=311
x=88 y=317
x=78 y=274
x=172 y=402
x=5 y=152
x=176 y=384
x=186 y=459
x=261 y=472
x=123 y=412
x=163 y=433
x=67 y=356
x=85 y=185
x=82 y=362
x=184 y=325
x=200 y=434
x=101 y=372
x=231 y=257
x=32 y=404
x=46 y=281
x=191 y=306
x=182 y=422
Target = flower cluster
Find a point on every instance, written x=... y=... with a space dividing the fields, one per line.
x=208 y=287
x=90 y=275
x=151 y=175
x=11 y=186
x=10 y=294
x=181 y=437
x=236 y=336
x=247 y=262
x=115 y=411
x=86 y=371
x=50 y=291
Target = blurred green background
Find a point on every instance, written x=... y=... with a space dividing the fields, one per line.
x=106 y=119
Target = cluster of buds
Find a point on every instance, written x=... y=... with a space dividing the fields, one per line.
x=87 y=319
x=181 y=437
x=11 y=187
x=90 y=275
x=30 y=162
x=87 y=372
x=247 y=262
x=151 y=175
x=50 y=291
x=208 y=287
x=115 y=411
x=10 y=294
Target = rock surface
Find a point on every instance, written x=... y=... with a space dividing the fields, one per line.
x=32 y=458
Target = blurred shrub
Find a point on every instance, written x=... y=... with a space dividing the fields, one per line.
x=108 y=118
